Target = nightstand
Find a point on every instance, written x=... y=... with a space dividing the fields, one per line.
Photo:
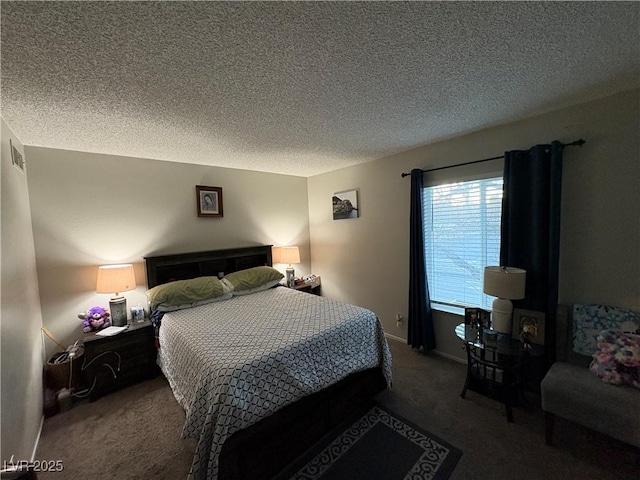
x=119 y=360
x=310 y=287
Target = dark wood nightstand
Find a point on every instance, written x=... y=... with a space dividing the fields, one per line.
x=310 y=287
x=113 y=362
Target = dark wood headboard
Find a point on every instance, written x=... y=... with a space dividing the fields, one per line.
x=183 y=266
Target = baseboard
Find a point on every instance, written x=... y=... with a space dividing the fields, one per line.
x=437 y=352
x=450 y=357
x=393 y=337
x=35 y=447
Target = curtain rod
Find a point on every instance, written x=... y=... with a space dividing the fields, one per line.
x=578 y=143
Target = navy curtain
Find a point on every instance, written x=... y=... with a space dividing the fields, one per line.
x=530 y=228
x=420 y=317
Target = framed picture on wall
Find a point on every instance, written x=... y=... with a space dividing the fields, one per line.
x=345 y=205
x=209 y=201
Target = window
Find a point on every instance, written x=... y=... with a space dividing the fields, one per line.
x=462 y=236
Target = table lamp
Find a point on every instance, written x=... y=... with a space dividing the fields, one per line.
x=506 y=283
x=276 y=255
x=116 y=279
x=290 y=255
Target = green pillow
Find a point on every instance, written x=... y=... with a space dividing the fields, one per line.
x=186 y=293
x=252 y=280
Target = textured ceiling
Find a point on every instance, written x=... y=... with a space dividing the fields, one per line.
x=300 y=88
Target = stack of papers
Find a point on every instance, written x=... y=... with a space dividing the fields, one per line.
x=107 y=332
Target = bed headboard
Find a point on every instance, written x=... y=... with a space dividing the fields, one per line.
x=183 y=266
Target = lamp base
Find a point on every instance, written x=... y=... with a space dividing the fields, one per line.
x=291 y=278
x=501 y=311
x=118 y=310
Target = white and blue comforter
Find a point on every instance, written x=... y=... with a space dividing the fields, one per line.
x=234 y=362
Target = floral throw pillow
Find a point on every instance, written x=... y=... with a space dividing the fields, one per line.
x=617 y=360
x=590 y=320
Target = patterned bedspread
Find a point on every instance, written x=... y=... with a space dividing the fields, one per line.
x=234 y=362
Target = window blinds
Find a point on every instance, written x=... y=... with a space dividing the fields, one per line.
x=462 y=236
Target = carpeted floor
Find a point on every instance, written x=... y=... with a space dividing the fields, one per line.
x=135 y=433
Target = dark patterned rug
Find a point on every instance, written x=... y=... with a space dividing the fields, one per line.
x=378 y=445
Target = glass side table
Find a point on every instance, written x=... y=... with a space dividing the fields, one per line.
x=494 y=368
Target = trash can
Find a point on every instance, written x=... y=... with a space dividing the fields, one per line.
x=62 y=371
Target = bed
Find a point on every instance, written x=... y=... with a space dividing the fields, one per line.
x=262 y=376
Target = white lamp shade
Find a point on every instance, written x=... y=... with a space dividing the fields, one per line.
x=504 y=282
x=115 y=279
x=289 y=255
x=276 y=254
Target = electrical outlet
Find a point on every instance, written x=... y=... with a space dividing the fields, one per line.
x=399 y=319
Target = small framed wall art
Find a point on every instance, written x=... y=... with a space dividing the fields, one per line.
x=345 y=205
x=209 y=201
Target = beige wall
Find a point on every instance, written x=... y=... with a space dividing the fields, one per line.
x=93 y=209
x=365 y=261
x=20 y=320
